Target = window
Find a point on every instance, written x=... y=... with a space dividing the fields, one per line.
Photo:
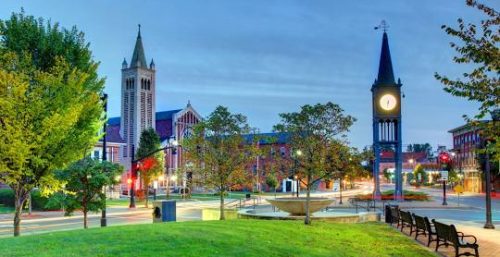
x=282 y=151
x=97 y=154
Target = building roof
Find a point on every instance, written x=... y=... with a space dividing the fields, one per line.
x=466 y=126
x=163 y=126
x=385 y=72
x=416 y=156
x=268 y=138
x=138 y=57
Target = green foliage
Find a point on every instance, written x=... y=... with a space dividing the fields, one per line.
x=218 y=151
x=387 y=174
x=271 y=180
x=152 y=164
x=84 y=182
x=416 y=148
x=419 y=170
x=7 y=197
x=39 y=201
x=315 y=134
x=51 y=109
x=478 y=49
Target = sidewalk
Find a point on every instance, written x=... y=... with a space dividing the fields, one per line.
x=48 y=215
x=488 y=239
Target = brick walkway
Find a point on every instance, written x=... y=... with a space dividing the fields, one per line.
x=488 y=239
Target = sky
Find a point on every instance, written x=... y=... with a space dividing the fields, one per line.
x=265 y=57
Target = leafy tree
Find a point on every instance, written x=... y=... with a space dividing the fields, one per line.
x=50 y=98
x=84 y=181
x=419 y=170
x=417 y=148
x=272 y=181
x=314 y=130
x=152 y=164
x=478 y=49
x=387 y=175
x=219 y=152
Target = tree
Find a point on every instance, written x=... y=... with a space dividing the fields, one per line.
x=419 y=174
x=478 y=50
x=314 y=131
x=272 y=181
x=417 y=148
x=51 y=108
x=152 y=164
x=219 y=152
x=84 y=181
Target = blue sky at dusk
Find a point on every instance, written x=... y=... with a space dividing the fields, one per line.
x=261 y=58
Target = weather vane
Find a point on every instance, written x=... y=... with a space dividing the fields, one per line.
x=383 y=25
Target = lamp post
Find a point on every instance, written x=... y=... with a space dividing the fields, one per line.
x=298 y=153
x=487 y=176
x=132 y=178
x=133 y=168
x=104 y=221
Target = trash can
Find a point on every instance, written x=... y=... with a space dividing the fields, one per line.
x=164 y=211
x=388 y=213
x=247 y=196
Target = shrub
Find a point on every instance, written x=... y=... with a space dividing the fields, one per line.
x=7 y=197
x=38 y=202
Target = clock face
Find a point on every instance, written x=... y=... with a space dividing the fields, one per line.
x=387 y=102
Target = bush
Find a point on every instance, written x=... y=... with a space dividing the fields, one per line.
x=408 y=195
x=7 y=197
x=38 y=202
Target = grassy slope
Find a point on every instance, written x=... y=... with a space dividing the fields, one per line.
x=215 y=238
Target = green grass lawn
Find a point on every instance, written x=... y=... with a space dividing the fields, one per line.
x=221 y=238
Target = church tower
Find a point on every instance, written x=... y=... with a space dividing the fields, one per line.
x=138 y=97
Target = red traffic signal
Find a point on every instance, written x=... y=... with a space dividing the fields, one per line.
x=444 y=157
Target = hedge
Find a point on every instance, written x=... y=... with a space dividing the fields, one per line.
x=39 y=202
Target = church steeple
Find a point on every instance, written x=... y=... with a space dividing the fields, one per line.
x=138 y=57
x=385 y=72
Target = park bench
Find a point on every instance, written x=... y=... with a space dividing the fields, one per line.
x=395 y=217
x=406 y=220
x=420 y=226
x=448 y=234
x=431 y=231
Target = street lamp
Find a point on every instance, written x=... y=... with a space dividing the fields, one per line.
x=104 y=98
x=487 y=176
x=298 y=153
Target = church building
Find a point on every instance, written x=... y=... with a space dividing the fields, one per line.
x=138 y=112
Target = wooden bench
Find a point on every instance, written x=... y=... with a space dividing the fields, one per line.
x=406 y=220
x=448 y=234
x=420 y=226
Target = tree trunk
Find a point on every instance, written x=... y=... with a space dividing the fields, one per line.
x=20 y=198
x=307 y=221
x=147 y=196
x=222 y=216
x=84 y=210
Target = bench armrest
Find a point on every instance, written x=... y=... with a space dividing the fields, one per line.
x=475 y=239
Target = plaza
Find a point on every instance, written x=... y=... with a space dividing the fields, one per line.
x=249 y=129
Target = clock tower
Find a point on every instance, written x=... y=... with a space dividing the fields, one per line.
x=386 y=101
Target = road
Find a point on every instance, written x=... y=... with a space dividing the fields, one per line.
x=55 y=221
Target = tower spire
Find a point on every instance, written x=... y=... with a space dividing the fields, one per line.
x=138 y=57
x=385 y=72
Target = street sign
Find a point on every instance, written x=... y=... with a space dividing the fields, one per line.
x=336 y=185
x=458 y=189
x=444 y=175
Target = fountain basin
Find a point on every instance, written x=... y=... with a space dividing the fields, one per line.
x=297 y=206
